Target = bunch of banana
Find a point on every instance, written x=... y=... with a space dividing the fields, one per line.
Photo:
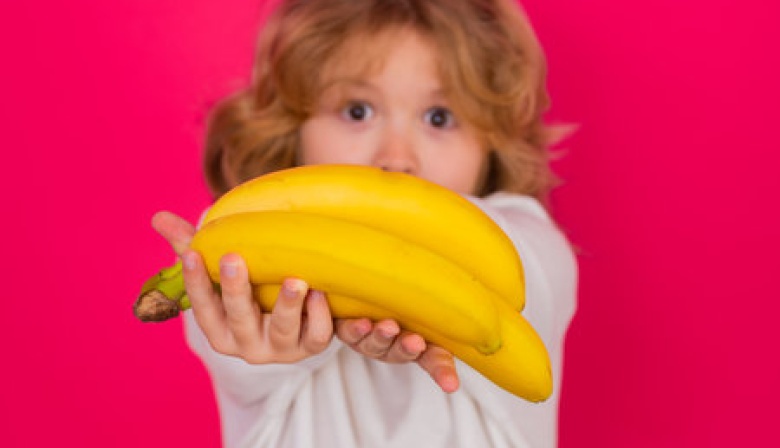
x=381 y=245
x=416 y=210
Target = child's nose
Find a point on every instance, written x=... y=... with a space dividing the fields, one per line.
x=397 y=152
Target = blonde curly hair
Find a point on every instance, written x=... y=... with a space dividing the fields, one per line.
x=489 y=57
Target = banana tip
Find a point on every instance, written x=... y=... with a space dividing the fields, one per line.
x=491 y=347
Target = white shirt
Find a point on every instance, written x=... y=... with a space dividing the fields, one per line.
x=342 y=399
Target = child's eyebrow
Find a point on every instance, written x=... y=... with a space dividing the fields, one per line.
x=341 y=89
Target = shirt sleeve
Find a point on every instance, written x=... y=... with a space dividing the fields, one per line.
x=547 y=257
x=551 y=274
x=245 y=383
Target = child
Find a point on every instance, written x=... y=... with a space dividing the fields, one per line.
x=448 y=90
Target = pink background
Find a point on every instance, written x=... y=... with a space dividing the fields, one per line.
x=670 y=192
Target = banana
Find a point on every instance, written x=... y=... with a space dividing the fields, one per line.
x=419 y=287
x=521 y=366
x=400 y=204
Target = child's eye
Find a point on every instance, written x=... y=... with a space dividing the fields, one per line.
x=439 y=117
x=357 y=111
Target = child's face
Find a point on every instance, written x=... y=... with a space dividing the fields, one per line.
x=396 y=118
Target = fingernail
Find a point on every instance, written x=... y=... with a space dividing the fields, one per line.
x=364 y=329
x=417 y=342
x=188 y=259
x=292 y=288
x=316 y=295
x=387 y=333
x=228 y=269
x=449 y=383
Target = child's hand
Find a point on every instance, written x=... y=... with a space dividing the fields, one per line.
x=385 y=341
x=233 y=322
x=235 y=325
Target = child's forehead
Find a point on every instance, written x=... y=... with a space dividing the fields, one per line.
x=363 y=55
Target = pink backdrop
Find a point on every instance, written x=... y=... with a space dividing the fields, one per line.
x=670 y=193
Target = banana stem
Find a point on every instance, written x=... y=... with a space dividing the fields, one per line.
x=161 y=296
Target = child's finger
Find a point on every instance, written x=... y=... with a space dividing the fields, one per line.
x=318 y=327
x=176 y=230
x=407 y=347
x=242 y=314
x=206 y=305
x=440 y=365
x=352 y=331
x=377 y=343
x=284 y=330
